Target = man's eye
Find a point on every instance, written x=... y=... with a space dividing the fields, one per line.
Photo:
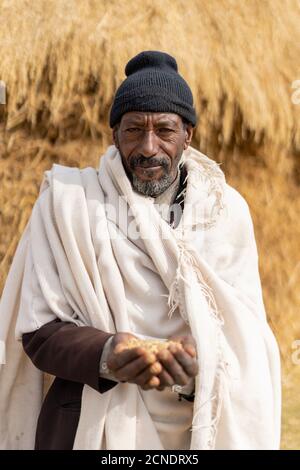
x=132 y=129
x=165 y=130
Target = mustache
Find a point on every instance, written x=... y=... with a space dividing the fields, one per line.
x=146 y=162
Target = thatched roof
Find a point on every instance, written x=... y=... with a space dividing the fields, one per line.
x=62 y=61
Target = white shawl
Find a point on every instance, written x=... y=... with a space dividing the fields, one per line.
x=210 y=269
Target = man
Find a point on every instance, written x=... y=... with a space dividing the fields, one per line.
x=153 y=245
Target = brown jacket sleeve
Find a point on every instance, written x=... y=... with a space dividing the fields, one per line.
x=69 y=352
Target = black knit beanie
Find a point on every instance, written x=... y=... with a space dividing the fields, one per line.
x=153 y=84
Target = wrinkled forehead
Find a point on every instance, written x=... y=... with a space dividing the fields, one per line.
x=140 y=117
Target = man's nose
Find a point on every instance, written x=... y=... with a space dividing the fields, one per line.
x=149 y=145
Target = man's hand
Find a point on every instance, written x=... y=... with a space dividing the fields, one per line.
x=179 y=365
x=136 y=365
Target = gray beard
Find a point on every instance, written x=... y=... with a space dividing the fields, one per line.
x=152 y=188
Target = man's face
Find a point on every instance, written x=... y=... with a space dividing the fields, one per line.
x=151 y=145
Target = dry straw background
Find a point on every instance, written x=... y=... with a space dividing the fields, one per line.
x=62 y=60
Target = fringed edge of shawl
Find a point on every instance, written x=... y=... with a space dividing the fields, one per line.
x=208 y=173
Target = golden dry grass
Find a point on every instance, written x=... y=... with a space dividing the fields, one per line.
x=62 y=60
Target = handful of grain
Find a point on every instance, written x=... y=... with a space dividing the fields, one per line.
x=150 y=345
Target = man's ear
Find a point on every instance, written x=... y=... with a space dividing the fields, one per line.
x=115 y=136
x=188 y=135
